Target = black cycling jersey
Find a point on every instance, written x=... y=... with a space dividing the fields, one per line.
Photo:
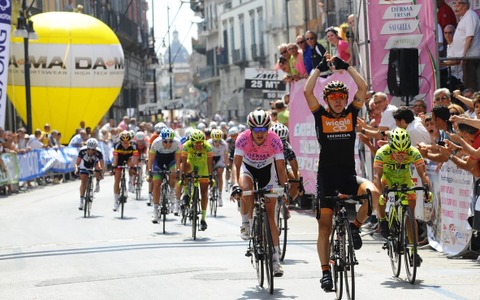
x=88 y=161
x=336 y=137
x=231 y=148
x=288 y=152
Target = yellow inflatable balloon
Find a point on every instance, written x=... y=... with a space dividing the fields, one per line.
x=76 y=71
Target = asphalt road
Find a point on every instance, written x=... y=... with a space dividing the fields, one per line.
x=49 y=251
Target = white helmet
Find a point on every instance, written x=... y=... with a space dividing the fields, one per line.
x=188 y=131
x=231 y=124
x=213 y=125
x=92 y=143
x=233 y=130
x=223 y=124
x=281 y=130
x=201 y=126
x=242 y=127
x=159 y=126
x=140 y=135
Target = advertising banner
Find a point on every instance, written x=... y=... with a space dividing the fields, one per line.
x=403 y=24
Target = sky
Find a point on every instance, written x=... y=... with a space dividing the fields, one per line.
x=181 y=23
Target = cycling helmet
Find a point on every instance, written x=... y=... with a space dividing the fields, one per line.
x=140 y=136
x=159 y=126
x=125 y=136
x=242 y=128
x=223 y=124
x=258 y=118
x=188 y=132
x=201 y=126
x=92 y=143
x=281 y=130
x=167 y=134
x=212 y=125
x=231 y=123
x=132 y=134
x=197 y=136
x=233 y=130
x=217 y=135
x=399 y=139
x=334 y=87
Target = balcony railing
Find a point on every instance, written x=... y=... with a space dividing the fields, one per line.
x=208 y=73
x=238 y=58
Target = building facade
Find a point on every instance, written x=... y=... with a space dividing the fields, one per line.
x=239 y=34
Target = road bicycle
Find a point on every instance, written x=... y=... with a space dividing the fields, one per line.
x=164 y=192
x=260 y=247
x=214 y=194
x=122 y=199
x=402 y=239
x=342 y=253
x=192 y=209
x=138 y=182
x=281 y=219
x=87 y=204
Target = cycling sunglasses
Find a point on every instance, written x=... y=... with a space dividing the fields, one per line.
x=259 y=129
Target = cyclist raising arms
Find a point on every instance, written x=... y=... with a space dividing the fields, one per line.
x=165 y=151
x=124 y=151
x=220 y=157
x=198 y=153
x=258 y=156
x=336 y=166
x=392 y=166
x=89 y=157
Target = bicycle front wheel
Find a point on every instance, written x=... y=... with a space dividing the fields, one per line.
x=337 y=253
x=138 y=188
x=213 y=201
x=164 y=208
x=88 y=197
x=258 y=254
x=349 y=262
x=269 y=250
x=282 y=224
x=194 y=213
x=393 y=245
x=409 y=243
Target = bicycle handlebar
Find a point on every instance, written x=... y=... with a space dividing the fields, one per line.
x=353 y=199
x=265 y=192
x=403 y=189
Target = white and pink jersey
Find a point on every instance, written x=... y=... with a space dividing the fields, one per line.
x=259 y=156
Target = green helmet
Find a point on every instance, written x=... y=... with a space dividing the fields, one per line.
x=197 y=136
x=399 y=139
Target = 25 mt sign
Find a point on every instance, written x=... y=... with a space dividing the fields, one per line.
x=264 y=79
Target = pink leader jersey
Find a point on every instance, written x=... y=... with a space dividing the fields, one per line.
x=259 y=156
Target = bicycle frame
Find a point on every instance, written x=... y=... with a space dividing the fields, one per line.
x=123 y=189
x=261 y=241
x=214 y=194
x=195 y=206
x=87 y=205
x=402 y=239
x=164 y=188
x=342 y=253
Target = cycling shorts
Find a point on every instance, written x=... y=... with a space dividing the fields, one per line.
x=330 y=184
x=266 y=176
x=219 y=161
x=163 y=162
x=202 y=170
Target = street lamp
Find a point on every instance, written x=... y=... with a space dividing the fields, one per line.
x=25 y=29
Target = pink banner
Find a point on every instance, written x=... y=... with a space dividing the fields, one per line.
x=302 y=125
x=403 y=24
